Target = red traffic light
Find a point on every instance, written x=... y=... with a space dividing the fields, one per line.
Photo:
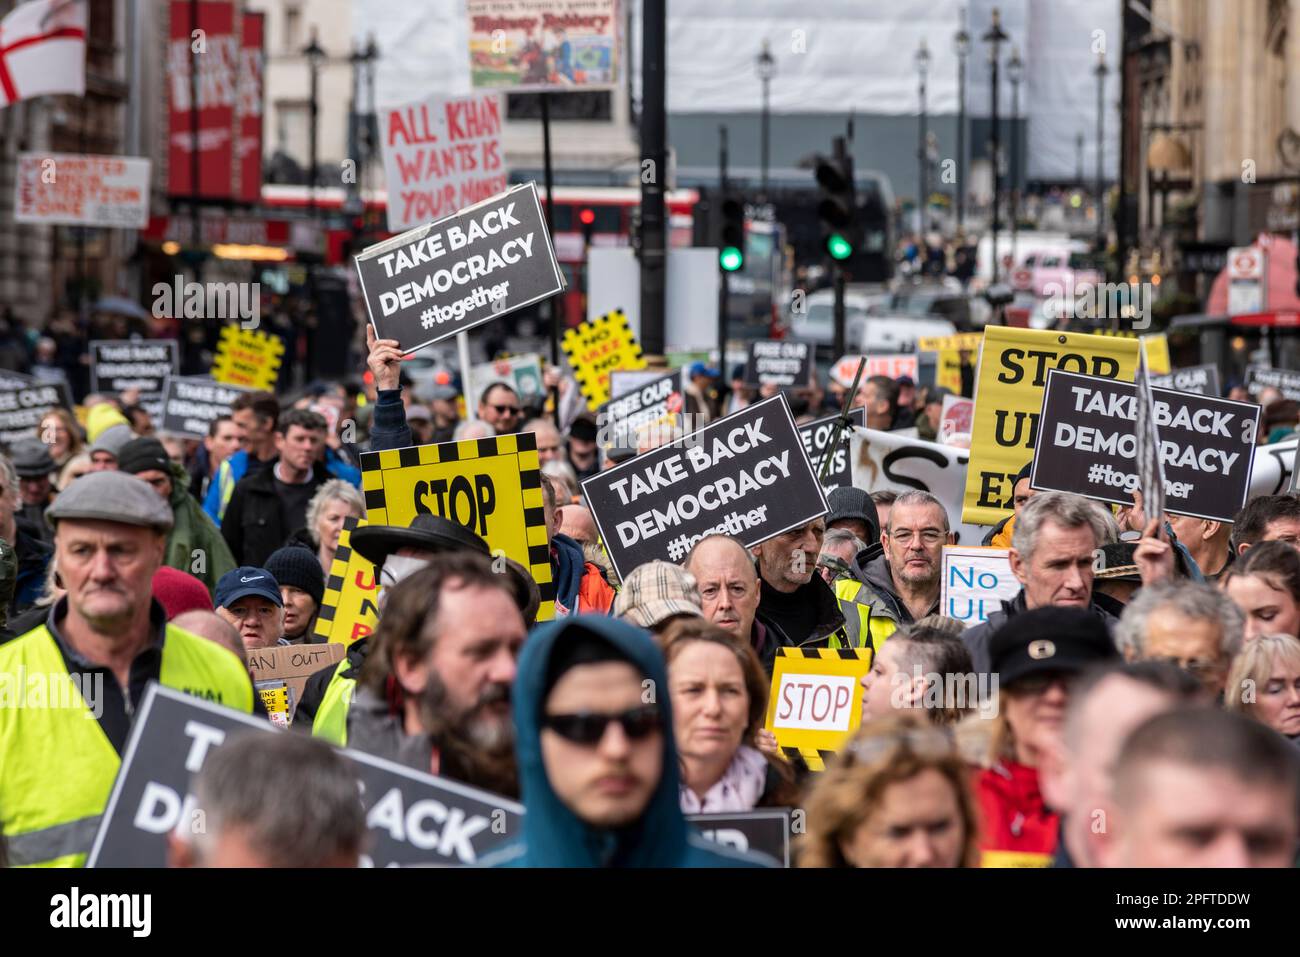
x=586 y=216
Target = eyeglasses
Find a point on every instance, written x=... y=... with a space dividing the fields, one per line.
x=928 y=743
x=588 y=728
x=929 y=536
x=506 y=409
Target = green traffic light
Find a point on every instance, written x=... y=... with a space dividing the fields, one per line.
x=731 y=258
x=838 y=247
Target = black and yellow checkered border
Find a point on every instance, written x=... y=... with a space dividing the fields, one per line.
x=814 y=759
x=231 y=332
x=530 y=480
x=596 y=392
x=329 y=602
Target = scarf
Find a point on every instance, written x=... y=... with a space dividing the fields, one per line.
x=739 y=789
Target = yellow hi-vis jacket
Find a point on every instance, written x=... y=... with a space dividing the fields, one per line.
x=860 y=625
x=56 y=764
x=331 y=721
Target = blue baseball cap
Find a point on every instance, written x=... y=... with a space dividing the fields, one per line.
x=244 y=581
x=702 y=368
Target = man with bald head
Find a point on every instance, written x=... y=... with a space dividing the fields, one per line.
x=729 y=591
x=576 y=522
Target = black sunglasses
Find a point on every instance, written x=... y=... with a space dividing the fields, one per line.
x=588 y=728
x=507 y=409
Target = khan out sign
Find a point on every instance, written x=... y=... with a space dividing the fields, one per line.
x=74 y=190
x=483 y=262
x=442 y=155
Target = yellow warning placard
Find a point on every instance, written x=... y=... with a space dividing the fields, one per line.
x=1156 y=347
x=965 y=340
x=1009 y=382
x=350 y=607
x=816 y=700
x=598 y=347
x=247 y=357
x=491 y=486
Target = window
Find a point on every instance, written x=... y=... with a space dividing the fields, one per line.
x=292 y=29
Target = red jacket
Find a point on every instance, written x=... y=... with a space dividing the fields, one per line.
x=1018 y=830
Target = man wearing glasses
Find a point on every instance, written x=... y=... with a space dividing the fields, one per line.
x=907 y=576
x=597 y=761
x=249 y=598
x=500 y=408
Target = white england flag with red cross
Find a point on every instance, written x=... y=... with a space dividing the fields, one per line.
x=43 y=50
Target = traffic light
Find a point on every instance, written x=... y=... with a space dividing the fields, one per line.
x=731 y=234
x=587 y=219
x=837 y=206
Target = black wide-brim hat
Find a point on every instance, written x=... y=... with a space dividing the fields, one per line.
x=430 y=533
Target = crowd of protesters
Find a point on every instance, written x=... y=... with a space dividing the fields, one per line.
x=1161 y=695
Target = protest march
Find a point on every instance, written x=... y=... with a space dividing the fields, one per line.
x=448 y=505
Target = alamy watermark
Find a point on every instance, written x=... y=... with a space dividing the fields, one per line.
x=1130 y=303
x=959 y=691
x=52 y=689
x=181 y=299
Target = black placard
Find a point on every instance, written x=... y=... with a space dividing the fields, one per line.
x=1286 y=381
x=143 y=364
x=745 y=475
x=817 y=433
x=434 y=281
x=1199 y=380
x=766 y=831
x=192 y=403
x=24 y=401
x=1087 y=444
x=412 y=818
x=779 y=362
x=660 y=401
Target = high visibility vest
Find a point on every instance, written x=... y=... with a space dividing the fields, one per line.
x=225 y=488
x=860 y=625
x=331 y=721
x=56 y=764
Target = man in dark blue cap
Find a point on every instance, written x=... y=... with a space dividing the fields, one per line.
x=249 y=598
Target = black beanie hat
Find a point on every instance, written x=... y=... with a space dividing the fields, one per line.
x=143 y=454
x=298 y=566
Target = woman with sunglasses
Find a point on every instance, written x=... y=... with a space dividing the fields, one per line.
x=719 y=692
x=1035 y=657
x=596 y=754
x=898 y=795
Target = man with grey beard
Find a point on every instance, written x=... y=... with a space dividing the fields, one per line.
x=434 y=693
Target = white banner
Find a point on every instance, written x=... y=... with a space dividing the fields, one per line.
x=975 y=582
x=73 y=190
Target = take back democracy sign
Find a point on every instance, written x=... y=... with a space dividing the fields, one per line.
x=1012 y=371
x=1202 y=380
x=192 y=403
x=744 y=475
x=1286 y=381
x=142 y=364
x=779 y=362
x=817 y=434
x=437 y=280
x=1206 y=445
x=411 y=818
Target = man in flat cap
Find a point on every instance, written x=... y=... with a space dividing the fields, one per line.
x=33 y=463
x=101 y=645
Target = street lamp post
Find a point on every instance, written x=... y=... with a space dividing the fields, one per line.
x=315 y=57
x=961 y=43
x=1078 y=158
x=995 y=37
x=922 y=158
x=765 y=66
x=1015 y=70
x=1100 y=72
